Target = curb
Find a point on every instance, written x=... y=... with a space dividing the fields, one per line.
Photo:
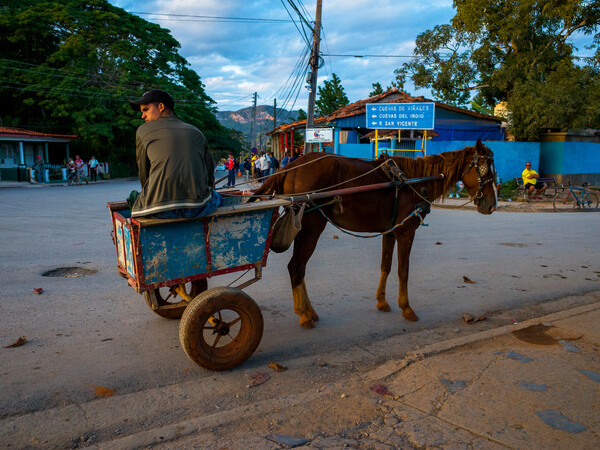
x=394 y=366
x=180 y=430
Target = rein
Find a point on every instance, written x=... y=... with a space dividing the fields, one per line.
x=417 y=213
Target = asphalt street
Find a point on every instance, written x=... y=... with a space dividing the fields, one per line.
x=94 y=330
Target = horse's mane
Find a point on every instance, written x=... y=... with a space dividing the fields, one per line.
x=451 y=164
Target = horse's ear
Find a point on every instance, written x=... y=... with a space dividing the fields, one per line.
x=479 y=145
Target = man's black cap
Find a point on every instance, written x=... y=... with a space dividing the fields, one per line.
x=153 y=96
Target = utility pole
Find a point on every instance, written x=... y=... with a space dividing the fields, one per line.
x=253 y=124
x=275 y=113
x=314 y=67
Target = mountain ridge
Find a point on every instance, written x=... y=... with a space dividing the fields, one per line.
x=241 y=120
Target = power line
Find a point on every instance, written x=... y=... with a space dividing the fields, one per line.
x=302 y=33
x=372 y=56
x=196 y=18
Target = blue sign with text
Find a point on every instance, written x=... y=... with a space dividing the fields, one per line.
x=401 y=116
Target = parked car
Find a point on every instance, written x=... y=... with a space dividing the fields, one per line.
x=220 y=168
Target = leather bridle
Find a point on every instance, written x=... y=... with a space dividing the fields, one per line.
x=486 y=173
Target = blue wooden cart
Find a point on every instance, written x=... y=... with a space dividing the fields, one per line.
x=168 y=261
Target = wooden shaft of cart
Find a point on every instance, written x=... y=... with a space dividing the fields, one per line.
x=354 y=190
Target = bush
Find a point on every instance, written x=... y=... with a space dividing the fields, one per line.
x=508 y=190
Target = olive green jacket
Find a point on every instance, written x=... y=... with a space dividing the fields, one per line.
x=175 y=167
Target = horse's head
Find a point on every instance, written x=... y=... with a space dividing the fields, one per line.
x=479 y=177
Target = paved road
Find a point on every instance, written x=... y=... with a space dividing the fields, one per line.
x=96 y=331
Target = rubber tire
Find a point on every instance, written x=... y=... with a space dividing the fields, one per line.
x=195 y=318
x=559 y=203
x=197 y=288
x=593 y=198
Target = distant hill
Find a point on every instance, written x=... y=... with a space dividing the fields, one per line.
x=241 y=120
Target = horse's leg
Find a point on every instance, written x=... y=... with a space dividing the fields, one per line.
x=304 y=246
x=404 y=239
x=387 y=251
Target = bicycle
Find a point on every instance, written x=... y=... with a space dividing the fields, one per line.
x=576 y=197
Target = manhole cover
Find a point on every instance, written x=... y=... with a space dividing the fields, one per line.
x=513 y=244
x=69 y=272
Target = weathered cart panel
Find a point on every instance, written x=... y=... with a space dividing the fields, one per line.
x=153 y=253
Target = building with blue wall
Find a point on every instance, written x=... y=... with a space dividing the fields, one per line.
x=572 y=156
x=353 y=138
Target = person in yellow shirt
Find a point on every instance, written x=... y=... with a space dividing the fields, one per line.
x=531 y=183
x=255 y=168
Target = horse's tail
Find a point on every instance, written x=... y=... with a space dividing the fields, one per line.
x=272 y=185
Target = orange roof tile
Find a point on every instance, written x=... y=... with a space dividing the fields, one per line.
x=8 y=131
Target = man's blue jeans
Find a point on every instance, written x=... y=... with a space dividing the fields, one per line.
x=185 y=213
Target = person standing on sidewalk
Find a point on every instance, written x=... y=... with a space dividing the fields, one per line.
x=175 y=167
x=230 y=164
x=79 y=166
x=93 y=165
x=39 y=169
x=265 y=165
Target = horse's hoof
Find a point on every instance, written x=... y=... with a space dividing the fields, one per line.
x=384 y=306
x=314 y=316
x=409 y=315
x=307 y=324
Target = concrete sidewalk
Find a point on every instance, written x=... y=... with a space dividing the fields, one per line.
x=530 y=385
x=534 y=384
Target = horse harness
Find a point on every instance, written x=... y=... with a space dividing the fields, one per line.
x=397 y=175
x=486 y=172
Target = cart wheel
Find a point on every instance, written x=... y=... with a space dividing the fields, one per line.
x=221 y=328
x=174 y=310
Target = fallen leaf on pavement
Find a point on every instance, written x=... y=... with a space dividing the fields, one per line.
x=469 y=318
x=103 y=391
x=466 y=279
x=438 y=243
x=258 y=378
x=380 y=389
x=277 y=367
x=38 y=291
x=17 y=343
x=335 y=236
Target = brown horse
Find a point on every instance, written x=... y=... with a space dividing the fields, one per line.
x=380 y=211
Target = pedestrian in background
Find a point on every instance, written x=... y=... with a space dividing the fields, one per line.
x=286 y=159
x=265 y=164
x=274 y=163
x=79 y=166
x=247 y=166
x=230 y=165
x=254 y=161
x=39 y=169
x=93 y=165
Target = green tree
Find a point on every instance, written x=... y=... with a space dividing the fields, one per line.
x=72 y=66
x=377 y=89
x=301 y=115
x=398 y=82
x=519 y=52
x=331 y=97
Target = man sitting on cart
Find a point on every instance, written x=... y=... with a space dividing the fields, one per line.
x=175 y=168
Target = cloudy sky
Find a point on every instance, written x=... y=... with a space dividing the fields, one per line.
x=237 y=58
x=260 y=53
